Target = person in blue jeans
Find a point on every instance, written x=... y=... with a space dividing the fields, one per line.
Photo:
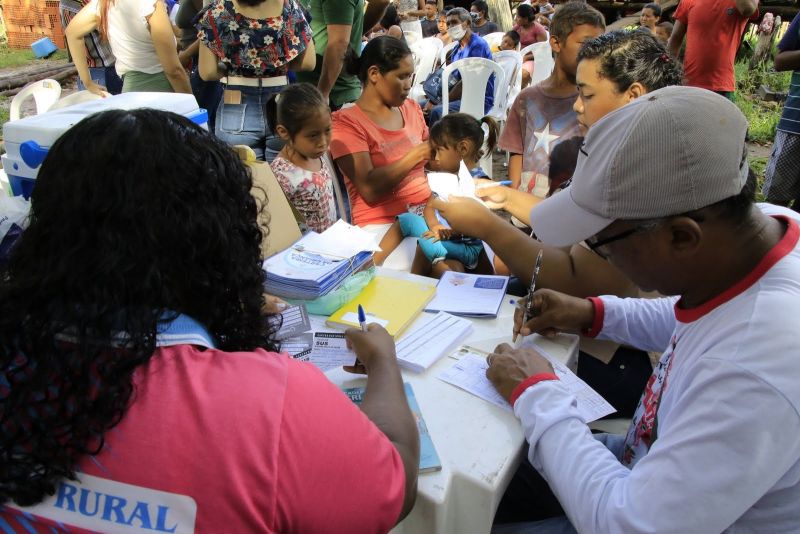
x=99 y=56
x=470 y=44
x=252 y=56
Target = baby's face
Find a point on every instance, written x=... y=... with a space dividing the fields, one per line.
x=507 y=43
x=662 y=34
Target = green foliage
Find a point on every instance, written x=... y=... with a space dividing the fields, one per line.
x=763 y=120
x=3 y=113
x=749 y=80
x=10 y=58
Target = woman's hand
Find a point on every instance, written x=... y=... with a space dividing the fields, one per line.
x=273 y=304
x=466 y=216
x=421 y=152
x=493 y=194
x=554 y=312
x=438 y=232
x=373 y=348
x=508 y=367
x=96 y=89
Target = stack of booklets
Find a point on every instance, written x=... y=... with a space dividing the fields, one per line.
x=318 y=263
x=428 y=458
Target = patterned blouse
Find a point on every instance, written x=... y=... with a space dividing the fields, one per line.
x=254 y=47
x=310 y=192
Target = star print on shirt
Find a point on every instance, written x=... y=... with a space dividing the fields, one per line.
x=544 y=138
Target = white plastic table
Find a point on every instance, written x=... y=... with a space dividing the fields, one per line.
x=479 y=444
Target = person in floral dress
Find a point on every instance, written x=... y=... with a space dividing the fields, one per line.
x=250 y=45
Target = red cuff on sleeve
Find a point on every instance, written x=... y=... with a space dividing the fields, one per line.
x=528 y=382
x=599 y=315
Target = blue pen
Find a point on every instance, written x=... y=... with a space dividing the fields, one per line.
x=494 y=184
x=362 y=318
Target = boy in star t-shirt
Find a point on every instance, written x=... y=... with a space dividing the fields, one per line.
x=542 y=115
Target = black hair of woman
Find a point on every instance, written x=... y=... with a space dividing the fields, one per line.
x=293 y=106
x=384 y=52
x=625 y=57
x=655 y=8
x=456 y=127
x=526 y=11
x=481 y=6
x=137 y=216
x=390 y=17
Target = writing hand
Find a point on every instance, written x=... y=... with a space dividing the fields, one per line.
x=555 y=312
x=374 y=348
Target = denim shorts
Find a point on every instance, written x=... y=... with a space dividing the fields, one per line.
x=246 y=123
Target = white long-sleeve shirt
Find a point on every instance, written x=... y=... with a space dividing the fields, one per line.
x=715 y=443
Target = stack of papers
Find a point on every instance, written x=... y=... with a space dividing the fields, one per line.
x=318 y=263
x=469 y=295
x=425 y=343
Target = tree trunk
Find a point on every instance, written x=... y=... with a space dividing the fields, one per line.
x=500 y=14
x=766 y=35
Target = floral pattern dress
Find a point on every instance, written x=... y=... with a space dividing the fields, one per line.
x=254 y=47
x=310 y=192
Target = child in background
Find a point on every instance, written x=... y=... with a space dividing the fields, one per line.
x=664 y=32
x=563 y=160
x=510 y=41
x=443 y=34
x=302 y=119
x=457 y=140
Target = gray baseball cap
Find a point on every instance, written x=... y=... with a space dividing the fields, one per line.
x=668 y=152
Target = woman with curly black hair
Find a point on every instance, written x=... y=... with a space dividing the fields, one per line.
x=139 y=384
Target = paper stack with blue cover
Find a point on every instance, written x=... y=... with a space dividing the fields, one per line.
x=318 y=263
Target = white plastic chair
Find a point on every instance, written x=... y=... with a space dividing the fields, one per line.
x=511 y=61
x=494 y=39
x=425 y=53
x=475 y=73
x=44 y=92
x=445 y=50
x=543 y=62
x=75 y=98
x=411 y=37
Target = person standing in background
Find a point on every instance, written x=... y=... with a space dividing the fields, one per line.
x=251 y=45
x=430 y=24
x=338 y=25
x=141 y=37
x=99 y=56
x=410 y=12
x=208 y=94
x=713 y=31
x=782 y=183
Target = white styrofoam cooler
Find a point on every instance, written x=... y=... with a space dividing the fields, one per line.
x=28 y=140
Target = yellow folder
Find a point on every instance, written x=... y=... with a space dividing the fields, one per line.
x=391 y=302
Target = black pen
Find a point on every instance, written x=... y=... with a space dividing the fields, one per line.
x=529 y=309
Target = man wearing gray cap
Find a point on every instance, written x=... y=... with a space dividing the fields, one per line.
x=714 y=444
